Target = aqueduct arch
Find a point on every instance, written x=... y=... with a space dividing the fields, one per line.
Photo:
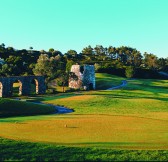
x=20 y=86
x=6 y=85
x=36 y=85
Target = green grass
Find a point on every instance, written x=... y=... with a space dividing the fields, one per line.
x=26 y=151
x=133 y=117
x=104 y=81
x=10 y=107
x=138 y=97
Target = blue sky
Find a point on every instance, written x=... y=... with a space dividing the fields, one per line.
x=74 y=24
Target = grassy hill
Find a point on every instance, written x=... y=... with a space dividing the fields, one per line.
x=10 y=107
x=104 y=125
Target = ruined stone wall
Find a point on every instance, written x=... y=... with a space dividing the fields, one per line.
x=85 y=75
x=6 y=85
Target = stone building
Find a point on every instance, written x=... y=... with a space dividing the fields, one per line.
x=6 y=85
x=85 y=77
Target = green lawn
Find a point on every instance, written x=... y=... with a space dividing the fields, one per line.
x=134 y=117
x=26 y=151
x=139 y=97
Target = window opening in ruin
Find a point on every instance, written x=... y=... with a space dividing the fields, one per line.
x=82 y=69
x=34 y=87
x=16 y=88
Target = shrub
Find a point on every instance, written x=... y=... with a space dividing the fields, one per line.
x=129 y=71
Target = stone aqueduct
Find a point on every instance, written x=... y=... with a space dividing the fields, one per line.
x=6 y=85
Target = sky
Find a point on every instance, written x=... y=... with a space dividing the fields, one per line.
x=75 y=24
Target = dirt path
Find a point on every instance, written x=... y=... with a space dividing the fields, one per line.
x=163 y=73
x=63 y=110
x=124 y=83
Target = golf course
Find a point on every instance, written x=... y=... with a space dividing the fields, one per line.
x=130 y=121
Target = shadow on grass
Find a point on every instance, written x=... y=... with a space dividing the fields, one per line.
x=133 y=96
x=51 y=97
x=27 y=151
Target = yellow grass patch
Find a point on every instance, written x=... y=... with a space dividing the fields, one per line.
x=90 y=129
x=16 y=84
x=158 y=115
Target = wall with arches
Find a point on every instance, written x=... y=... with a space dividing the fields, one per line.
x=6 y=85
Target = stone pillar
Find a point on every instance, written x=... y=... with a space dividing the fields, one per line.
x=26 y=86
x=41 y=88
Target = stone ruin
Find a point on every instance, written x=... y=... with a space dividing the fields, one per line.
x=6 y=85
x=85 y=77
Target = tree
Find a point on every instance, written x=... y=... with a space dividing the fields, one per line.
x=129 y=71
x=87 y=50
x=97 y=67
x=122 y=57
x=100 y=51
x=72 y=53
x=48 y=67
x=69 y=65
x=162 y=63
x=112 y=52
x=150 y=60
x=137 y=58
x=2 y=45
x=51 y=50
x=31 y=49
x=63 y=79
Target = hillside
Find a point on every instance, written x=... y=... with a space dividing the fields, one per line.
x=10 y=107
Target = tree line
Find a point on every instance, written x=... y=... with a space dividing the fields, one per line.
x=123 y=61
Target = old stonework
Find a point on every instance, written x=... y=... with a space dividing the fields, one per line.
x=6 y=85
x=85 y=77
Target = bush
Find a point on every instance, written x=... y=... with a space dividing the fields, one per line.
x=129 y=71
x=50 y=91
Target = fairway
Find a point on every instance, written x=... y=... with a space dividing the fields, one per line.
x=133 y=117
x=95 y=130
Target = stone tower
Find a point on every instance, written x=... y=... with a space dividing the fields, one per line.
x=85 y=77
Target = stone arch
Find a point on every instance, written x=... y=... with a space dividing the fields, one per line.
x=24 y=85
x=36 y=83
x=20 y=86
x=1 y=89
